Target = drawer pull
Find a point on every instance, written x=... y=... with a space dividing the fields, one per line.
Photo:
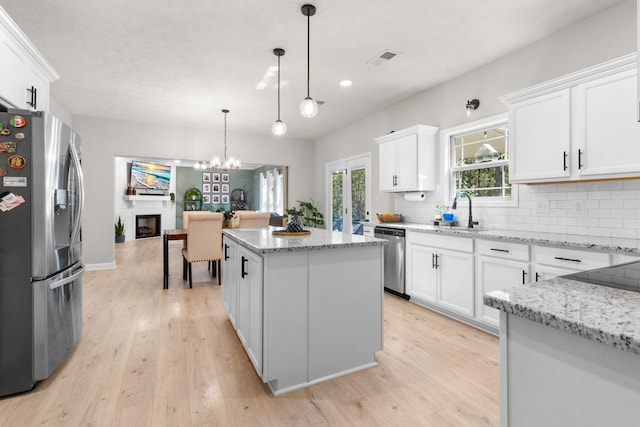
x=243 y=271
x=226 y=256
x=566 y=259
x=500 y=250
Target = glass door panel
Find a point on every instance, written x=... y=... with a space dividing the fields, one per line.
x=359 y=212
x=337 y=204
x=349 y=194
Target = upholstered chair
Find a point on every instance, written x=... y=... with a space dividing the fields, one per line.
x=204 y=242
x=251 y=219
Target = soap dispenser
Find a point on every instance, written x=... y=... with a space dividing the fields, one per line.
x=448 y=215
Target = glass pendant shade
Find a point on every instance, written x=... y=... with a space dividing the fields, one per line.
x=308 y=107
x=279 y=128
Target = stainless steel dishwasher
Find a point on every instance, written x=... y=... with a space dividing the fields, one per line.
x=394 y=253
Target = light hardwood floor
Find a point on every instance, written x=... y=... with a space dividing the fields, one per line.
x=154 y=357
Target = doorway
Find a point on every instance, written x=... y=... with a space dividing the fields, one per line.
x=348 y=199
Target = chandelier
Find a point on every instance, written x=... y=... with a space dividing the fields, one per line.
x=228 y=162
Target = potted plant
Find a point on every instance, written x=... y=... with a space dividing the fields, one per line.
x=227 y=216
x=119 y=229
x=306 y=214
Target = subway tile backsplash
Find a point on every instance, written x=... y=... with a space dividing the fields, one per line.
x=602 y=209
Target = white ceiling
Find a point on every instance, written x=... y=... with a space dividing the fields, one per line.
x=181 y=62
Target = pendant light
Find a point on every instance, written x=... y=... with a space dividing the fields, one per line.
x=278 y=128
x=227 y=163
x=308 y=107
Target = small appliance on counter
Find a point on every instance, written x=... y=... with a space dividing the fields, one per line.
x=41 y=268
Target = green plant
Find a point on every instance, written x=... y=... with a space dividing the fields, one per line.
x=311 y=216
x=119 y=227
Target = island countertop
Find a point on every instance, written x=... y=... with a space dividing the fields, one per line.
x=607 y=315
x=262 y=240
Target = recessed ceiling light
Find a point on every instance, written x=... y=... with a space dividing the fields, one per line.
x=345 y=83
x=176 y=161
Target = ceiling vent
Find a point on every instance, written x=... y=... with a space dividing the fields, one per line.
x=383 y=57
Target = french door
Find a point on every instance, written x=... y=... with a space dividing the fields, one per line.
x=349 y=193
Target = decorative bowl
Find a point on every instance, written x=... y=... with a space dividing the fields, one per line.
x=389 y=217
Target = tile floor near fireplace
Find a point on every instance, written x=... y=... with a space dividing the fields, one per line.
x=148 y=226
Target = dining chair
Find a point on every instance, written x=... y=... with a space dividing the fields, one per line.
x=204 y=242
x=251 y=219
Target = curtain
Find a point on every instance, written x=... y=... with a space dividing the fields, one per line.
x=272 y=191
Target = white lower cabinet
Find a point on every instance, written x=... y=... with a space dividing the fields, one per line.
x=552 y=262
x=242 y=280
x=499 y=265
x=452 y=274
x=230 y=279
x=249 y=320
x=440 y=271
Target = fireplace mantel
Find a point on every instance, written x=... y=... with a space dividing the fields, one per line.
x=145 y=198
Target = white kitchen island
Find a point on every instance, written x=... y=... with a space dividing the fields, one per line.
x=570 y=350
x=306 y=308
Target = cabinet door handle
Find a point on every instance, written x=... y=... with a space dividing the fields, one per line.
x=566 y=259
x=564 y=160
x=244 y=272
x=433 y=260
x=226 y=256
x=537 y=276
x=499 y=250
x=524 y=277
x=33 y=100
x=436 y=261
x=579 y=158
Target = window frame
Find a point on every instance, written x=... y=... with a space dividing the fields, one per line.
x=446 y=136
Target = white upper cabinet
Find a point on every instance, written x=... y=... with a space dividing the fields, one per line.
x=577 y=127
x=540 y=137
x=408 y=159
x=25 y=75
x=606 y=129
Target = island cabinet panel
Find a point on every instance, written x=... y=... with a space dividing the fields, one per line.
x=286 y=317
x=551 y=377
x=308 y=313
x=345 y=302
x=230 y=279
x=250 y=305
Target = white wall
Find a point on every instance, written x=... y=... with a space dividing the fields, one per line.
x=104 y=139
x=603 y=37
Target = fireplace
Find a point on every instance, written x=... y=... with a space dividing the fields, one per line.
x=147 y=226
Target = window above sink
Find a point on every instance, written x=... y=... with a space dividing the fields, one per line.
x=476 y=161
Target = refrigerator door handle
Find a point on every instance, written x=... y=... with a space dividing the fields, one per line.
x=66 y=280
x=78 y=219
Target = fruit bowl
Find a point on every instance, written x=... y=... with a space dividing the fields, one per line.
x=389 y=217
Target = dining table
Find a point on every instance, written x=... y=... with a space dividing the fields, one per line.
x=176 y=234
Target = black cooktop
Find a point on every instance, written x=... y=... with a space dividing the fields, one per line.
x=623 y=276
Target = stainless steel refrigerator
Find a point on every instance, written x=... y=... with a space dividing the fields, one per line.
x=41 y=268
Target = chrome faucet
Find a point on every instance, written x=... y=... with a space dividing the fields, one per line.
x=455 y=205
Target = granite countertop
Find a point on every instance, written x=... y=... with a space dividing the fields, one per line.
x=262 y=240
x=607 y=315
x=608 y=244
